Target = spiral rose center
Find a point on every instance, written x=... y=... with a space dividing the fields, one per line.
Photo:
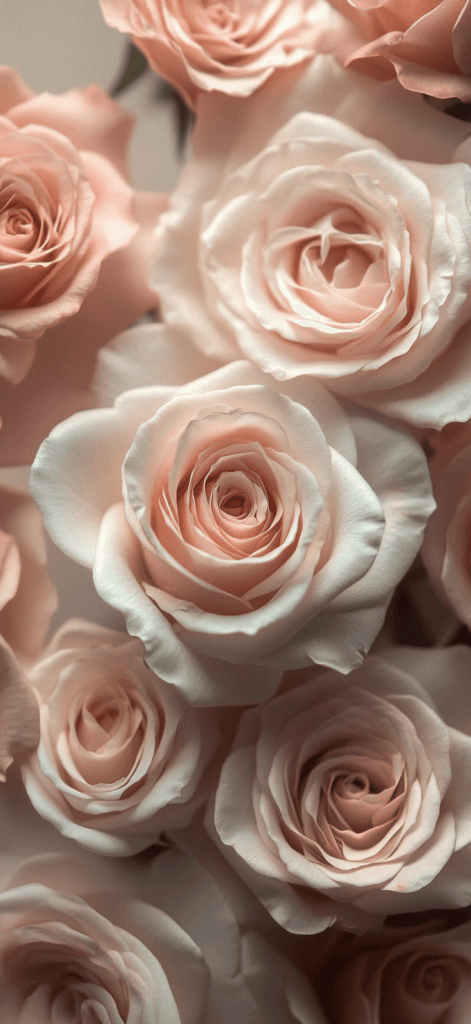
x=222 y=16
x=235 y=504
x=431 y=980
x=65 y=970
x=18 y=226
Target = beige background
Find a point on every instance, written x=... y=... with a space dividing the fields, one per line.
x=61 y=44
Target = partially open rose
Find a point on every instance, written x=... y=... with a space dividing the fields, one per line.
x=121 y=756
x=344 y=798
x=446 y=550
x=315 y=250
x=154 y=944
x=231 y=47
x=237 y=525
x=426 y=980
x=426 y=44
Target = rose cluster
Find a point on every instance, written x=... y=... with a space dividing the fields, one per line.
x=235 y=527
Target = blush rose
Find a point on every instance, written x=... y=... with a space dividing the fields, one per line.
x=237 y=525
x=425 y=980
x=121 y=756
x=446 y=550
x=67 y=211
x=427 y=45
x=349 y=798
x=229 y=47
x=164 y=946
x=317 y=251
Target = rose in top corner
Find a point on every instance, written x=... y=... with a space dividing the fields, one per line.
x=228 y=47
x=242 y=527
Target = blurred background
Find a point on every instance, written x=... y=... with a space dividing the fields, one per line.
x=58 y=45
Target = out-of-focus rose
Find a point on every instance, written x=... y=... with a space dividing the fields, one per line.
x=231 y=47
x=122 y=757
x=27 y=596
x=19 y=720
x=426 y=44
x=163 y=946
x=75 y=243
x=235 y=525
x=446 y=550
x=426 y=980
x=345 y=798
x=314 y=250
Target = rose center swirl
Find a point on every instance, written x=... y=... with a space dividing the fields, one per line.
x=432 y=980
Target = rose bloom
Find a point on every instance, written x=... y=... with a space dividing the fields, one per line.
x=426 y=44
x=158 y=945
x=229 y=47
x=314 y=250
x=121 y=755
x=446 y=549
x=75 y=244
x=28 y=598
x=349 y=798
x=425 y=980
x=235 y=525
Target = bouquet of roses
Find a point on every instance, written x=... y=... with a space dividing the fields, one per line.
x=235 y=666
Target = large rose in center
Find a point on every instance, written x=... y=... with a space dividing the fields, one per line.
x=235 y=525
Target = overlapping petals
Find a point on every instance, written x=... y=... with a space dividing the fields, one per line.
x=342 y=798
x=121 y=756
x=75 y=244
x=164 y=947
x=255 y=529
x=229 y=47
x=426 y=44
x=316 y=251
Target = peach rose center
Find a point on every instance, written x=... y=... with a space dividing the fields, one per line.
x=354 y=802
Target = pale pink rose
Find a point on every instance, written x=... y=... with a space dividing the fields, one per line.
x=446 y=550
x=344 y=799
x=426 y=44
x=315 y=250
x=121 y=756
x=157 y=945
x=28 y=598
x=230 y=47
x=241 y=529
x=74 y=239
x=425 y=980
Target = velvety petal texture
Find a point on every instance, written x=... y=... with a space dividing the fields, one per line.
x=348 y=798
x=235 y=523
x=121 y=756
x=65 y=207
x=446 y=550
x=315 y=249
x=231 y=47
